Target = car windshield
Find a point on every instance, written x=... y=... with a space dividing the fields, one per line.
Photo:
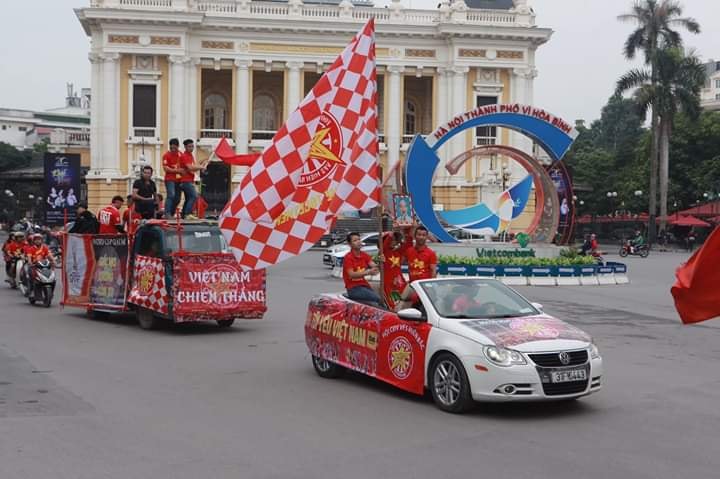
x=475 y=298
x=196 y=240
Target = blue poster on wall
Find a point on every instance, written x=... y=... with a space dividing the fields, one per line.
x=62 y=187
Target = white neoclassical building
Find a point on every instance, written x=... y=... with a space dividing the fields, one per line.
x=205 y=69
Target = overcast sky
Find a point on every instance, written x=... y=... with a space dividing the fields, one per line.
x=42 y=46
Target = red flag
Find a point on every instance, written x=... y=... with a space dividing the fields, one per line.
x=200 y=207
x=323 y=160
x=696 y=291
x=225 y=152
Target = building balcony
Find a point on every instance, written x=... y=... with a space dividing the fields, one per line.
x=61 y=136
x=395 y=14
x=215 y=134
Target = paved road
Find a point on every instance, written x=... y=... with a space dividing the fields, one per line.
x=82 y=399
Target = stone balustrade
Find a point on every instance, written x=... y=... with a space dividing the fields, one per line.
x=345 y=12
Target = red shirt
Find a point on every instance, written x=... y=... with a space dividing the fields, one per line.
x=109 y=218
x=187 y=159
x=419 y=262
x=12 y=249
x=392 y=268
x=171 y=159
x=361 y=262
x=126 y=217
x=36 y=253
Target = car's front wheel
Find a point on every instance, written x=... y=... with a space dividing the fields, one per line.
x=449 y=385
x=327 y=369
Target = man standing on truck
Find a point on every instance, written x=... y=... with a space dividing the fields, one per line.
x=110 y=222
x=144 y=194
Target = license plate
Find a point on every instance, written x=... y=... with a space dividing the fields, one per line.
x=568 y=376
x=326 y=257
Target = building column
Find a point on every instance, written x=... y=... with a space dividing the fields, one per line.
x=242 y=114
x=459 y=106
x=110 y=84
x=293 y=87
x=522 y=92
x=192 y=130
x=443 y=115
x=392 y=133
x=95 y=115
x=176 y=109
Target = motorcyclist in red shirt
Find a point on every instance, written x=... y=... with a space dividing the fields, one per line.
x=37 y=250
x=12 y=251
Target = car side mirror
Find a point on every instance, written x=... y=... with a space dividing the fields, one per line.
x=537 y=306
x=410 y=314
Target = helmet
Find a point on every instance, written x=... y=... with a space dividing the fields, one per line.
x=35 y=236
x=18 y=235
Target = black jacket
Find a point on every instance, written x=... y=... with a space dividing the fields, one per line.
x=86 y=223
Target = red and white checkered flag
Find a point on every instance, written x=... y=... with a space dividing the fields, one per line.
x=322 y=161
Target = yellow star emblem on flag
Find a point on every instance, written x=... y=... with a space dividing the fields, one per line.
x=319 y=150
x=401 y=359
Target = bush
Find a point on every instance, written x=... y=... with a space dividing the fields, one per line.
x=574 y=260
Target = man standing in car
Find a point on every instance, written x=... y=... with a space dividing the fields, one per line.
x=422 y=261
x=144 y=194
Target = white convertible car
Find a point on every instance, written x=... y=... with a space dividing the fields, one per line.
x=465 y=339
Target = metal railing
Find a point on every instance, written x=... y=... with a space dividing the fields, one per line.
x=214 y=133
x=144 y=132
x=263 y=134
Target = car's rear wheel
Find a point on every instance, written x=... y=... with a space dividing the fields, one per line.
x=327 y=369
x=225 y=323
x=449 y=385
x=146 y=318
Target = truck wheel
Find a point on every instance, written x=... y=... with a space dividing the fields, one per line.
x=225 y=323
x=327 y=369
x=146 y=318
x=449 y=385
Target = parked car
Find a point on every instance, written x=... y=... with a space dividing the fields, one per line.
x=331 y=254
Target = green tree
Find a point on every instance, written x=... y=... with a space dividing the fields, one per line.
x=11 y=157
x=676 y=86
x=656 y=21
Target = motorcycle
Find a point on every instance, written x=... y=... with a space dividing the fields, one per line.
x=10 y=265
x=628 y=250
x=41 y=283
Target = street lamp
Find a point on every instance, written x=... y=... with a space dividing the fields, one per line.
x=611 y=196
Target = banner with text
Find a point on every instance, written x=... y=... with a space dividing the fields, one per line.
x=213 y=287
x=94 y=270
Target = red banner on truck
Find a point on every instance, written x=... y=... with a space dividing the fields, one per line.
x=212 y=286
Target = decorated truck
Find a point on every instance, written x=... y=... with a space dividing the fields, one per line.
x=164 y=271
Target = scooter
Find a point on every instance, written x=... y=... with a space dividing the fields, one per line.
x=10 y=265
x=627 y=250
x=42 y=283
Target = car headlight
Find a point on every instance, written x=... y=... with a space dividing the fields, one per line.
x=594 y=351
x=503 y=357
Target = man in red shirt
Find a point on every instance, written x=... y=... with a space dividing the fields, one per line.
x=110 y=223
x=422 y=261
x=173 y=173
x=186 y=183
x=126 y=220
x=356 y=266
x=37 y=250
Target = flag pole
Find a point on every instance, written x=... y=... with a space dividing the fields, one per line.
x=381 y=242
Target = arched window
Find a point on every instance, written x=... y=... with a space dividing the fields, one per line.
x=264 y=112
x=215 y=112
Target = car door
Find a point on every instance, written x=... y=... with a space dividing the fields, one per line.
x=401 y=352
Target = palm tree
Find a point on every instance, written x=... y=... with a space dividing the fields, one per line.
x=675 y=87
x=656 y=20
